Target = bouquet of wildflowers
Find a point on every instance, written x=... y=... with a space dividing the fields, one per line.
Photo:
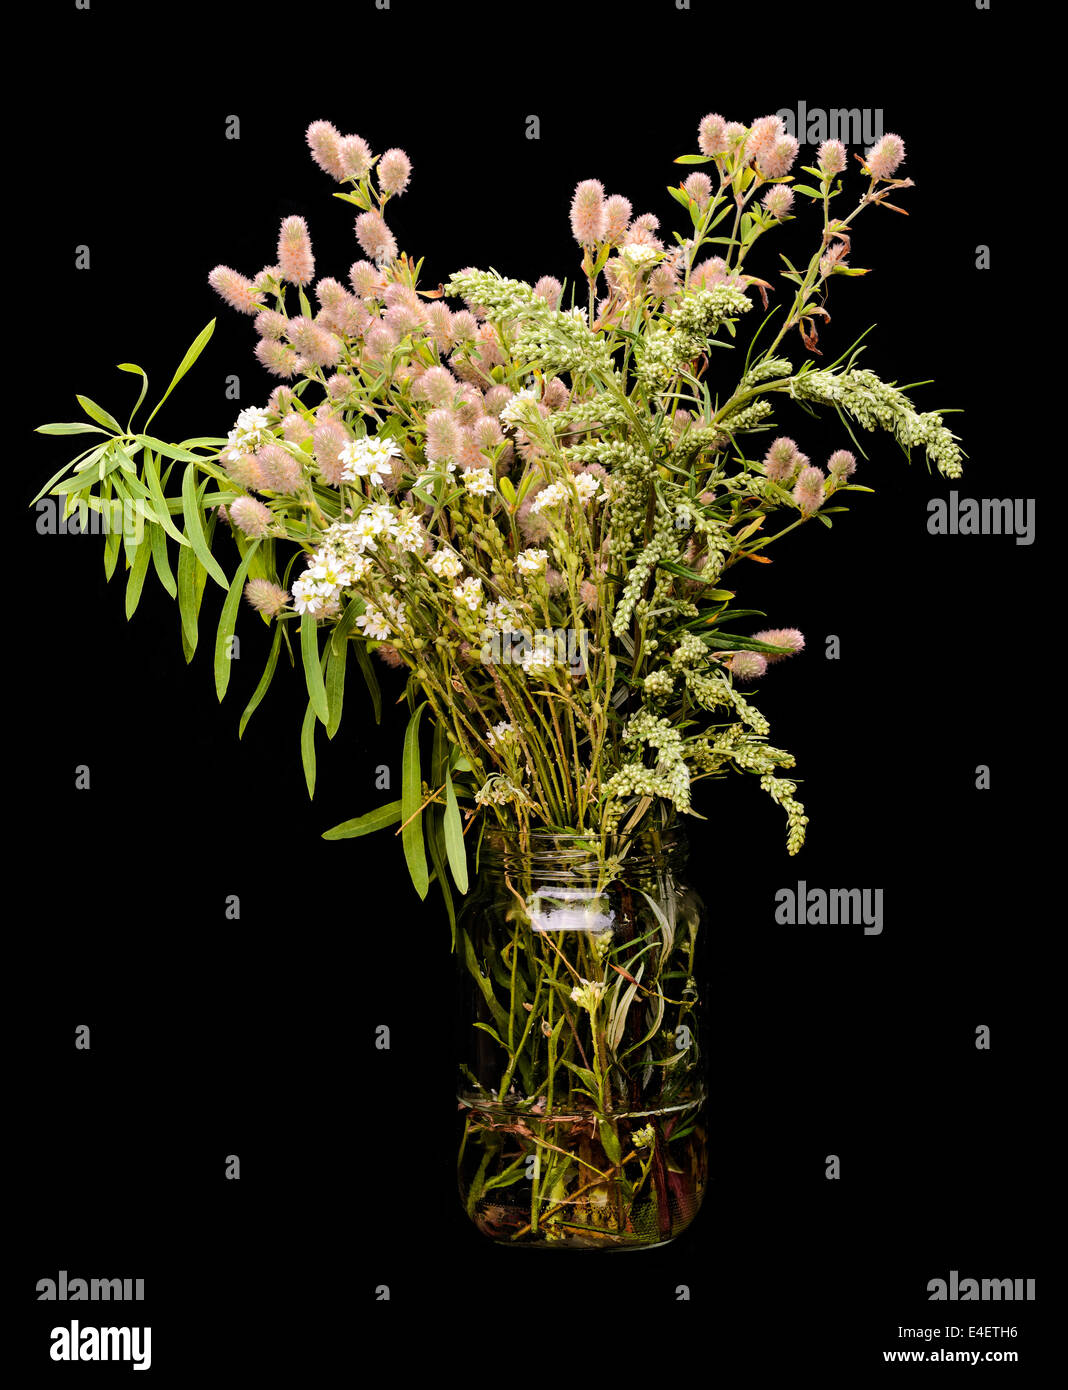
x=532 y=500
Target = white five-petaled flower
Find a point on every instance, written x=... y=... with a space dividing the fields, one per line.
x=365 y=529
x=502 y=615
x=531 y=561
x=409 y=534
x=516 y=406
x=586 y=485
x=479 y=482
x=550 y=496
x=500 y=734
x=326 y=570
x=372 y=623
x=445 y=564
x=368 y=458
x=307 y=597
x=469 y=593
x=538 y=658
x=250 y=432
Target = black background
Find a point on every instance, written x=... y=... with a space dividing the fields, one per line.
x=256 y=1037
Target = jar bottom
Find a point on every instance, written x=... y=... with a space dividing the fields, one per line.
x=583 y=1182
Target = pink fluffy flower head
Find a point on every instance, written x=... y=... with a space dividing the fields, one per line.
x=324 y=141
x=884 y=157
x=394 y=172
x=238 y=291
x=267 y=598
x=464 y=326
x=313 y=341
x=747 y=666
x=375 y=238
x=295 y=257
x=699 y=187
x=780 y=461
x=280 y=470
x=763 y=134
x=355 y=156
x=278 y=359
x=295 y=428
x=330 y=438
x=808 y=490
x=550 y=289
x=365 y=279
x=437 y=385
x=831 y=158
x=439 y=324
x=245 y=472
x=713 y=139
x=777 y=158
x=588 y=218
x=442 y=437
x=790 y=637
x=251 y=517
x=617 y=215
x=778 y=200
x=271 y=324
x=841 y=464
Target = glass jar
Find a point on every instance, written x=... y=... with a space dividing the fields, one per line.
x=581 y=1077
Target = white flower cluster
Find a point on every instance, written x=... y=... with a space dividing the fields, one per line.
x=550 y=496
x=501 y=734
x=368 y=458
x=249 y=433
x=515 y=409
x=469 y=593
x=318 y=590
x=384 y=622
x=502 y=615
x=588 y=994
x=479 y=482
x=531 y=561
x=639 y=254
x=445 y=564
x=538 y=657
x=586 y=485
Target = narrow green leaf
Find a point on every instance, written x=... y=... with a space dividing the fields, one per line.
x=363 y=656
x=454 y=836
x=377 y=819
x=435 y=835
x=693 y=159
x=69 y=427
x=227 y=622
x=307 y=748
x=194 y=528
x=188 y=600
x=411 y=800
x=171 y=451
x=265 y=680
x=160 y=560
x=136 y=579
x=500 y=1018
x=609 y=1140
x=335 y=685
x=99 y=414
x=135 y=370
x=196 y=348
x=161 y=507
x=313 y=671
